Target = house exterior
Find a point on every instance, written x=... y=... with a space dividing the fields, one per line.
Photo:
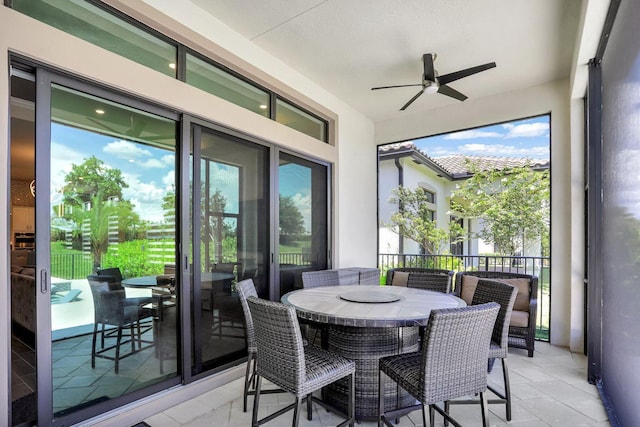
x=404 y=164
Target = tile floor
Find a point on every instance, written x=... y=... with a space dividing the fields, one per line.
x=549 y=389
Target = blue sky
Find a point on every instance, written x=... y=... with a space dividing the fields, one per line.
x=528 y=138
x=150 y=171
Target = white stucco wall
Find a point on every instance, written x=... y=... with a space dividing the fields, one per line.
x=554 y=98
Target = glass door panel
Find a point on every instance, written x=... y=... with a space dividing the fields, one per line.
x=230 y=241
x=112 y=250
x=303 y=226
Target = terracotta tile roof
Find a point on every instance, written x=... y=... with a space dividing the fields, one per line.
x=455 y=165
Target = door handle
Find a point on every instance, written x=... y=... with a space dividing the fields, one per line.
x=44 y=281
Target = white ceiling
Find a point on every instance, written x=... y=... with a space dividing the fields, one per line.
x=350 y=46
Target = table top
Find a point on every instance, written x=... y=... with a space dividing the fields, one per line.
x=148 y=281
x=332 y=305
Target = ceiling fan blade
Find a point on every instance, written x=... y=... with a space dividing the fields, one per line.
x=449 y=91
x=391 y=87
x=404 y=107
x=429 y=72
x=451 y=77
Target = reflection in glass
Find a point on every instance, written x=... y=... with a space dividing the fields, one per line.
x=303 y=239
x=294 y=117
x=97 y=26
x=231 y=243
x=221 y=83
x=112 y=204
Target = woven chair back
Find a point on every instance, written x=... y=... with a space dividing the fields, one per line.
x=247 y=289
x=314 y=279
x=430 y=281
x=505 y=295
x=455 y=350
x=280 y=352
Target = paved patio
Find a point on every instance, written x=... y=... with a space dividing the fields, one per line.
x=549 y=389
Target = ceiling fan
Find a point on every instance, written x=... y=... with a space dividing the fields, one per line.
x=432 y=83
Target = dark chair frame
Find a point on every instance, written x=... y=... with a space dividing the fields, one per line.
x=110 y=309
x=519 y=337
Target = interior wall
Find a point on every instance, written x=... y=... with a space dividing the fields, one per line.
x=553 y=98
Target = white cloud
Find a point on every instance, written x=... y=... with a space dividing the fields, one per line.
x=527 y=130
x=169 y=179
x=126 y=150
x=473 y=133
x=504 y=150
x=169 y=159
x=150 y=163
x=62 y=160
x=145 y=196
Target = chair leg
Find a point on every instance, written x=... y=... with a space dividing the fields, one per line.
x=256 y=402
x=118 y=339
x=432 y=417
x=507 y=387
x=380 y=399
x=484 y=407
x=133 y=337
x=352 y=399
x=93 y=345
x=447 y=407
x=424 y=415
x=296 y=412
x=247 y=377
x=102 y=337
x=309 y=407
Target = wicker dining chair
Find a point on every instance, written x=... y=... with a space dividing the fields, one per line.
x=110 y=309
x=504 y=294
x=439 y=282
x=314 y=279
x=246 y=289
x=451 y=363
x=285 y=361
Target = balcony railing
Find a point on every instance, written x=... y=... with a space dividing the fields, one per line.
x=536 y=266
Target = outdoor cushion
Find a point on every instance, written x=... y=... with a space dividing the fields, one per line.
x=519 y=319
x=400 y=278
x=522 y=297
x=469 y=284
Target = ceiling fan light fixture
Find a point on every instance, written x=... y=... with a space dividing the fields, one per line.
x=432 y=87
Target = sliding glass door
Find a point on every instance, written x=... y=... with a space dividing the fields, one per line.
x=230 y=241
x=105 y=234
x=303 y=219
x=125 y=284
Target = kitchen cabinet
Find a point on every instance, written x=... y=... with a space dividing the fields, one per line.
x=23 y=219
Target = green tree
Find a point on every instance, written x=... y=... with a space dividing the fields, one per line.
x=90 y=177
x=413 y=221
x=94 y=191
x=97 y=219
x=291 y=219
x=513 y=204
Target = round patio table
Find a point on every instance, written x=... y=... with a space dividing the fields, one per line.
x=365 y=324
